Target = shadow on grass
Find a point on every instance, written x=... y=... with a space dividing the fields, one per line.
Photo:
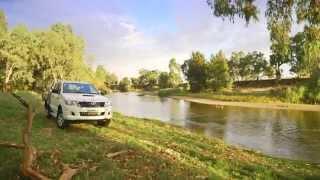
x=83 y=146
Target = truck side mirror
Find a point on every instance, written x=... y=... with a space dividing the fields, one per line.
x=55 y=91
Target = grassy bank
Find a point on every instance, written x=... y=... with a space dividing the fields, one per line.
x=257 y=95
x=153 y=150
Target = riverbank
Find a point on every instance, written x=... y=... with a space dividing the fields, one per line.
x=271 y=105
x=150 y=149
x=252 y=98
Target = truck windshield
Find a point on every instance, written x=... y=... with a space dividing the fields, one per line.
x=79 y=88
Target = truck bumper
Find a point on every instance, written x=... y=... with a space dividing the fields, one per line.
x=73 y=113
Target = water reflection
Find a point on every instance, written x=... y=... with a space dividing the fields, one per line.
x=282 y=133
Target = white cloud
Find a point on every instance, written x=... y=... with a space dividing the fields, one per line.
x=124 y=46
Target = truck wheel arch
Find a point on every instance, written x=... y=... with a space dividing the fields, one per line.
x=59 y=109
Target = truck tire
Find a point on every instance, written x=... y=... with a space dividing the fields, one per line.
x=61 y=122
x=104 y=122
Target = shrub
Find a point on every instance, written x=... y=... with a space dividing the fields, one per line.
x=313 y=94
x=292 y=94
x=170 y=91
x=295 y=94
x=124 y=85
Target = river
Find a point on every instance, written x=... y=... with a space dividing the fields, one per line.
x=288 y=134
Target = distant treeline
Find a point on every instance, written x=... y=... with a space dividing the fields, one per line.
x=240 y=70
x=269 y=83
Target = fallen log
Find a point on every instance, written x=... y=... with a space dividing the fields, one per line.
x=29 y=152
x=12 y=145
x=68 y=173
x=111 y=155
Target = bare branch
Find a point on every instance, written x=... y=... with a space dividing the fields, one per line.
x=68 y=173
x=12 y=145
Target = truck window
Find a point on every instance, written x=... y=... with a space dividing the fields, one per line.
x=57 y=88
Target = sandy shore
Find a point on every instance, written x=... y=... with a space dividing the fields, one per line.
x=301 y=107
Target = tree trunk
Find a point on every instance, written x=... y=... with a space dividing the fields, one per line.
x=278 y=72
x=8 y=73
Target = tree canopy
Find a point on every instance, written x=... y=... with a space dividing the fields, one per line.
x=193 y=69
x=280 y=17
x=218 y=76
x=35 y=59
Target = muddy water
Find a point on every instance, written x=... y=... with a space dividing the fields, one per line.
x=282 y=133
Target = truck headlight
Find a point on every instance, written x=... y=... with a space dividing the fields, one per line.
x=107 y=104
x=71 y=102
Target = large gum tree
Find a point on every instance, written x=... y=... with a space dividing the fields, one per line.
x=279 y=14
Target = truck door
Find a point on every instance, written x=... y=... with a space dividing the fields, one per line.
x=54 y=98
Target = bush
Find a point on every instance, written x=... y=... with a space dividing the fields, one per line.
x=170 y=91
x=295 y=94
x=313 y=94
x=124 y=85
x=313 y=97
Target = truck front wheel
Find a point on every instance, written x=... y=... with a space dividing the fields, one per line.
x=61 y=122
x=104 y=122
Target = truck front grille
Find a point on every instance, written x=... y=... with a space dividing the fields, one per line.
x=91 y=113
x=91 y=104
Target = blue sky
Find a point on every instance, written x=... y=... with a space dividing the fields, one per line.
x=127 y=35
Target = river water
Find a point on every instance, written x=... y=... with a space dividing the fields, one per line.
x=288 y=134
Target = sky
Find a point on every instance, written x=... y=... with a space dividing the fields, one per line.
x=127 y=35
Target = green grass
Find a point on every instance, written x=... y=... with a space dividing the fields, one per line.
x=154 y=150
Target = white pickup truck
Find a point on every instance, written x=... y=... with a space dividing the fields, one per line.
x=74 y=102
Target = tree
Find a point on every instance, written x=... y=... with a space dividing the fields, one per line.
x=59 y=55
x=269 y=71
x=100 y=78
x=3 y=36
x=3 y=24
x=279 y=21
x=218 y=72
x=135 y=83
x=33 y=60
x=72 y=52
x=254 y=66
x=164 y=80
x=174 y=74
x=260 y=65
x=308 y=11
x=101 y=73
x=15 y=53
x=280 y=45
x=194 y=71
x=111 y=81
x=234 y=65
x=312 y=48
x=124 y=85
x=298 y=65
x=279 y=18
x=246 y=67
x=242 y=8
x=148 y=79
